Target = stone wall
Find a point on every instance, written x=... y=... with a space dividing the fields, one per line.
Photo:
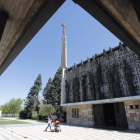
x=133 y=115
x=86 y=116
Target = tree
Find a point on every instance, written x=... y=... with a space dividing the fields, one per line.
x=47 y=90
x=56 y=93
x=46 y=110
x=32 y=101
x=5 y=108
x=15 y=106
x=52 y=92
x=41 y=101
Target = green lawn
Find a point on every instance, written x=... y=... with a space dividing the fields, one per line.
x=12 y=122
x=2 y=119
x=10 y=115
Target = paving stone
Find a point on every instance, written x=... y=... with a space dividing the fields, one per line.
x=67 y=133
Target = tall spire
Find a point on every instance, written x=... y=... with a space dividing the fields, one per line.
x=64 y=49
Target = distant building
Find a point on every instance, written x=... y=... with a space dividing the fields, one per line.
x=103 y=91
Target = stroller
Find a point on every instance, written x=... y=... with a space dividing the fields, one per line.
x=56 y=126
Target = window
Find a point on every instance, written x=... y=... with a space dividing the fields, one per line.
x=75 y=112
x=131 y=106
x=137 y=106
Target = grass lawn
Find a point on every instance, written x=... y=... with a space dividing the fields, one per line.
x=10 y=115
x=12 y=122
x=2 y=119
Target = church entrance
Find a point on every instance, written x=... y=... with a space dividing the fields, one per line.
x=110 y=115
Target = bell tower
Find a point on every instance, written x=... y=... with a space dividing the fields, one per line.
x=64 y=49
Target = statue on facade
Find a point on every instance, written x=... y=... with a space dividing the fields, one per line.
x=129 y=78
x=75 y=66
x=111 y=51
x=93 y=58
x=104 y=53
x=82 y=62
x=120 y=46
x=88 y=59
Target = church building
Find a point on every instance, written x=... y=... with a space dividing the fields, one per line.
x=104 y=90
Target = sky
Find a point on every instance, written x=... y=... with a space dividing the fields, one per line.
x=85 y=37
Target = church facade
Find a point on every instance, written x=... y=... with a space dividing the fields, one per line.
x=103 y=91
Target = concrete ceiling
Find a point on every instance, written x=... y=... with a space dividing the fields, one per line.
x=125 y=13
x=118 y=16
x=26 y=17
x=20 y=13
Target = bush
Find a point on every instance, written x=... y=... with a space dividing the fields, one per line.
x=23 y=115
x=36 y=117
x=41 y=117
x=45 y=111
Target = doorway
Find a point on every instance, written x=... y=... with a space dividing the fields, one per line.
x=109 y=115
x=65 y=117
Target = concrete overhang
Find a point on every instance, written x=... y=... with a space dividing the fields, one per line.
x=26 y=17
x=104 y=101
x=118 y=16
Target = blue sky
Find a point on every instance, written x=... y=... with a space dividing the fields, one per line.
x=42 y=55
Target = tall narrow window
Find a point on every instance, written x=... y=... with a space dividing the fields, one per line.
x=77 y=112
x=73 y=113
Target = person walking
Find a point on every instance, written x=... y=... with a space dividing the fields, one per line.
x=49 y=122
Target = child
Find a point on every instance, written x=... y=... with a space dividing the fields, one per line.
x=56 y=122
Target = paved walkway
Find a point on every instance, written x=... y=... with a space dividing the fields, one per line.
x=69 y=132
x=30 y=121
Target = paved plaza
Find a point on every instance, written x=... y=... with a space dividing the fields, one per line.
x=35 y=131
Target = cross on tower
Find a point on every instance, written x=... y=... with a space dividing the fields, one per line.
x=63 y=25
